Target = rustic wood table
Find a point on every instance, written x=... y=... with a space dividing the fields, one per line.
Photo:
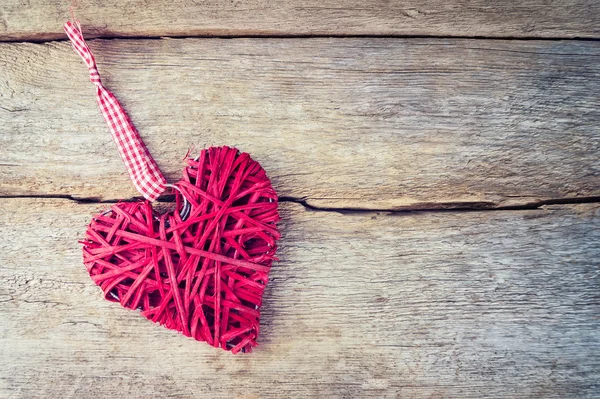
x=438 y=163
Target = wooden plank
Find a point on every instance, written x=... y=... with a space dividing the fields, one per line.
x=462 y=304
x=42 y=19
x=352 y=123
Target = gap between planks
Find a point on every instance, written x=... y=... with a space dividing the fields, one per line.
x=430 y=207
x=305 y=36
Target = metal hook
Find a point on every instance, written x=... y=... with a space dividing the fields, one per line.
x=187 y=207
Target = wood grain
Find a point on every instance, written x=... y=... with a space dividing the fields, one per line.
x=344 y=123
x=42 y=19
x=442 y=304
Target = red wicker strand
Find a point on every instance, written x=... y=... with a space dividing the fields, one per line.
x=202 y=270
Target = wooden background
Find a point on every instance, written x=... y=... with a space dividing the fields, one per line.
x=438 y=163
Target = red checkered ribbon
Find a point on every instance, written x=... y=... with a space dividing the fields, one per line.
x=143 y=171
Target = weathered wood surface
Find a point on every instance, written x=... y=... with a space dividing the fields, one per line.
x=42 y=19
x=354 y=123
x=459 y=304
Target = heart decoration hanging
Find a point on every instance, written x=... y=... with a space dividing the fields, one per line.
x=201 y=268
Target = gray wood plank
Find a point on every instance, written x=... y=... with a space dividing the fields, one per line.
x=460 y=304
x=345 y=123
x=42 y=19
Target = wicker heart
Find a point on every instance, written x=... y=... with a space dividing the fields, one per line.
x=202 y=268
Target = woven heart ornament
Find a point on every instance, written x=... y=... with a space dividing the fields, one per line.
x=201 y=268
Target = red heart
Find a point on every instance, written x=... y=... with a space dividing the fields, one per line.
x=216 y=249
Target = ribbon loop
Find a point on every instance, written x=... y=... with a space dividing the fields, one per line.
x=143 y=170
